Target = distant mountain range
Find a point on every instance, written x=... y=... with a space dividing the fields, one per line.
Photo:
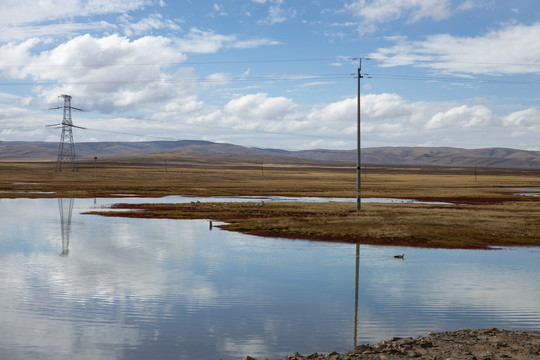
x=436 y=156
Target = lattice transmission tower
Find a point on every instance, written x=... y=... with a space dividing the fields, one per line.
x=66 y=148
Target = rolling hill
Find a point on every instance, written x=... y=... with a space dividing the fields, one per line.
x=434 y=156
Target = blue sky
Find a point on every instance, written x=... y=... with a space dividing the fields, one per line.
x=274 y=73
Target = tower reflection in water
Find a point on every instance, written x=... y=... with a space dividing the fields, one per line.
x=65 y=207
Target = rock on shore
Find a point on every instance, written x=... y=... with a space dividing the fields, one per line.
x=484 y=344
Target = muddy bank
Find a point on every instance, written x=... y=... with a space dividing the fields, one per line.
x=484 y=344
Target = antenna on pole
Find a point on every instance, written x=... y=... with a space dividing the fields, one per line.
x=66 y=148
x=358 y=143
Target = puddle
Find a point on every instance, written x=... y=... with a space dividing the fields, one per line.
x=26 y=192
x=132 y=198
x=527 y=191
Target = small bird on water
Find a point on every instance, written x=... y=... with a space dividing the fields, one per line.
x=402 y=256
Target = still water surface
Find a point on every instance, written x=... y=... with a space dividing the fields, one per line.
x=91 y=287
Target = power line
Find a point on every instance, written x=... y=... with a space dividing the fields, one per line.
x=380 y=140
x=406 y=60
x=285 y=77
x=265 y=132
x=449 y=79
x=294 y=77
x=218 y=127
x=219 y=62
x=289 y=77
x=409 y=60
x=133 y=134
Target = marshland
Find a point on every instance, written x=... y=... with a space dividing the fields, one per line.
x=119 y=258
x=462 y=207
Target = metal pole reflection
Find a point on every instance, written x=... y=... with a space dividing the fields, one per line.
x=356 y=294
x=65 y=207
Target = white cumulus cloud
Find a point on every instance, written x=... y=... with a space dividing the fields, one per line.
x=105 y=74
x=31 y=11
x=512 y=49
x=460 y=116
x=375 y=12
x=208 y=42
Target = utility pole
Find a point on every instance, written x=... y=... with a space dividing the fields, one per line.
x=358 y=154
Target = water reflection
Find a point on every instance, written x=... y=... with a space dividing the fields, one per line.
x=357 y=275
x=147 y=288
x=65 y=208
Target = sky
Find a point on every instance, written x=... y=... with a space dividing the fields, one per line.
x=274 y=73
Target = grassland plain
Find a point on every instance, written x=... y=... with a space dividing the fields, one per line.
x=483 y=206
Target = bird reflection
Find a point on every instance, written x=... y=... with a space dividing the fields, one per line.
x=65 y=207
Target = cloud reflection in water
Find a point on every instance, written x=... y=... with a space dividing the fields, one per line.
x=135 y=288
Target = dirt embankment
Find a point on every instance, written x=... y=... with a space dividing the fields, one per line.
x=485 y=344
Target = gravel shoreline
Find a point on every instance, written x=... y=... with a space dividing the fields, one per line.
x=467 y=344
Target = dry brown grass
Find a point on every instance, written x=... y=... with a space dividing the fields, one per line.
x=442 y=226
x=152 y=178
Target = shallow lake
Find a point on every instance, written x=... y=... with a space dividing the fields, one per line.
x=90 y=287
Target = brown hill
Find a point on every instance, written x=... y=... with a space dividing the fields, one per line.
x=435 y=156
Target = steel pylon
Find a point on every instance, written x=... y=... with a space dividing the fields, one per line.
x=66 y=148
